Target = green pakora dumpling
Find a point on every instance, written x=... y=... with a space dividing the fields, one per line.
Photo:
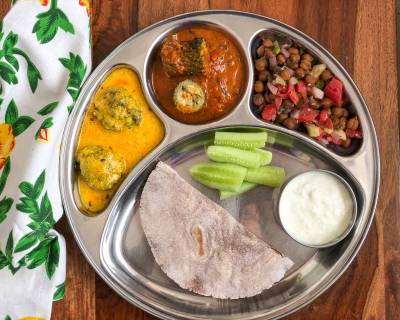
x=100 y=167
x=117 y=110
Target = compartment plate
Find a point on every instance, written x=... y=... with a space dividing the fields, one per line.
x=113 y=241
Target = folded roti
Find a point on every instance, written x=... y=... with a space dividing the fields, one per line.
x=199 y=245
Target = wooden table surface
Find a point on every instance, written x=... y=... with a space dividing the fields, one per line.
x=362 y=36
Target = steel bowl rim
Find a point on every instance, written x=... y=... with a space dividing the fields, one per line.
x=354 y=214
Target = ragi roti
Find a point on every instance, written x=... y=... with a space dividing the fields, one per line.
x=199 y=245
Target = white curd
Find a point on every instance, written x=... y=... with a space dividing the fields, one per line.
x=315 y=208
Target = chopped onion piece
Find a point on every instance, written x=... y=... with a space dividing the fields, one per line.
x=279 y=80
x=293 y=81
x=317 y=70
x=317 y=93
x=284 y=50
x=272 y=88
x=324 y=141
x=340 y=134
x=291 y=71
x=273 y=62
x=295 y=114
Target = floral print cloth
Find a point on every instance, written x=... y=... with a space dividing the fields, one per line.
x=45 y=56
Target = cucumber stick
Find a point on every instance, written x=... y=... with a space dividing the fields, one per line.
x=245 y=158
x=265 y=156
x=221 y=176
x=269 y=176
x=271 y=139
x=241 y=140
x=246 y=186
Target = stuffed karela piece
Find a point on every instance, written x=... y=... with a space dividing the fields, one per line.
x=185 y=57
x=189 y=96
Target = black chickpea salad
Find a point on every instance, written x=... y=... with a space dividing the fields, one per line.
x=295 y=89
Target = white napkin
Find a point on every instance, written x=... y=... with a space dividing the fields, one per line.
x=45 y=55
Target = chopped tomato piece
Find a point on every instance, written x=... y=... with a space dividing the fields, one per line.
x=293 y=96
x=323 y=116
x=334 y=91
x=281 y=88
x=269 y=112
x=320 y=137
x=302 y=89
x=284 y=91
x=336 y=139
x=353 y=133
x=278 y=102
x=307 y=114
x=328 y=124
x=282 y=95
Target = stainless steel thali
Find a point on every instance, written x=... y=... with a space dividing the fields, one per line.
x=113 y=242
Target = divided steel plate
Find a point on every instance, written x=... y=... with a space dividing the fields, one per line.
x=114 y=243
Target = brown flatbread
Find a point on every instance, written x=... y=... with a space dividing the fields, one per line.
x=199 y=245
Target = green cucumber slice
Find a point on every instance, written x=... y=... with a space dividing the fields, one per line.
x=221 y=176
x=248 y=159
x=270 y=139
x=265 y=156
x=246 y=186
x=270 y=176
x=241 y=140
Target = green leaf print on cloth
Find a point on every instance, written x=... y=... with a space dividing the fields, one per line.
x=5 y=206
x=46 y=249
x=4 y=175
x=5 y=203
x=60 y=292
x=19 y=123
x=48 y=108
x=77 y=70
x=9 y=64
x=48 y=23
x=42 y=133
x=6 y=258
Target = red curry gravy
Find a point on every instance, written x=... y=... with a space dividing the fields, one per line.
x=222 y=84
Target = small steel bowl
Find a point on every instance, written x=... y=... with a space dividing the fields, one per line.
x=351 y=222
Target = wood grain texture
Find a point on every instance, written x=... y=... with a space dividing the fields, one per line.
x=80 y=294
x=112 y=23
x=4 y=7
x=361 y=34
x=379 y=85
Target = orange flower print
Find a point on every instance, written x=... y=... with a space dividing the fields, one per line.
x=44 y=2
x=44 y=135
x=85 y=3
x=7 y=142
